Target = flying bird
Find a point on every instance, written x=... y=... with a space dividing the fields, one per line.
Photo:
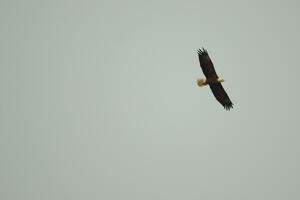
x=212 y=79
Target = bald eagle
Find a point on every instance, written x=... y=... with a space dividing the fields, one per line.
x=212 y=79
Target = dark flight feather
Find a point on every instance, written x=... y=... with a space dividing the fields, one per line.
x=209 y=71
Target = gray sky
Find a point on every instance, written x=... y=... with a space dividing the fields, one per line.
x=99 y=100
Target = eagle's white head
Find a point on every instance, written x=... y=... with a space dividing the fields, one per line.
x=201 y=82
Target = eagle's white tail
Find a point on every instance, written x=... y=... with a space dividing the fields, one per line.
x=201 y=82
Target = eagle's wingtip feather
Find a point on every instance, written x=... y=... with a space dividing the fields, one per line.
x=202 y=51
x=228 y=106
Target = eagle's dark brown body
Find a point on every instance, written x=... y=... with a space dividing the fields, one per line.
x=212 y=79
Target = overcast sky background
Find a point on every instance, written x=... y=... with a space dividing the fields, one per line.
x=99 y=100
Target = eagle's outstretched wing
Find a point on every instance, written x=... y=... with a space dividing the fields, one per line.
x=221 y=95
x=209 y=71
x=206 y=64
